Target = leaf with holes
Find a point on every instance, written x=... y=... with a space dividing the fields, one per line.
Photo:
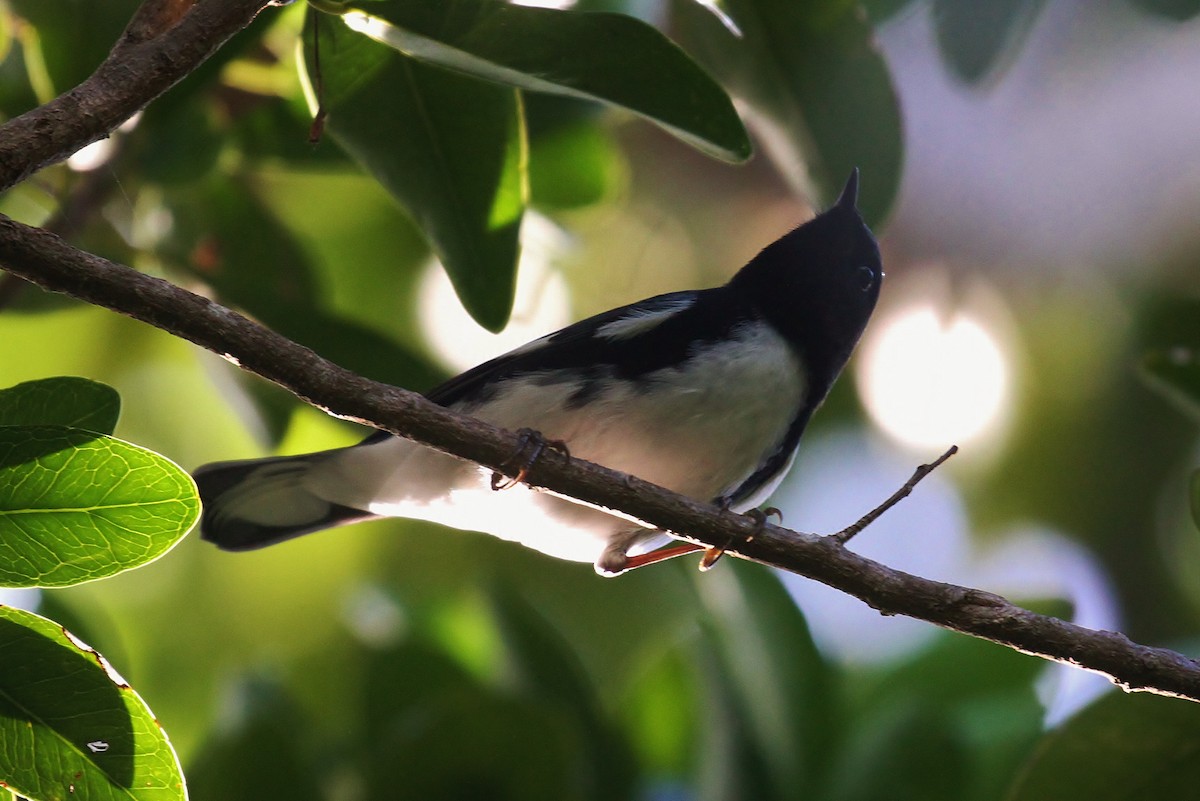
x=77 y=506
x=70 y=726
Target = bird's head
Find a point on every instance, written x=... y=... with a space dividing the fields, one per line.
x=818 y=284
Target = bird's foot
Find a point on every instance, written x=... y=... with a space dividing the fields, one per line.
x=530 y=447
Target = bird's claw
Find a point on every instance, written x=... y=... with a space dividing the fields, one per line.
x=530 y=447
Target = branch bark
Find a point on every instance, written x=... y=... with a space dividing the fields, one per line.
x=141 y=68
x=163 y=43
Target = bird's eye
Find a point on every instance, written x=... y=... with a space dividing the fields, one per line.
x=866 y=278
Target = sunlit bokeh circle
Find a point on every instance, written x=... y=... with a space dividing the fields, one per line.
x=930 y=378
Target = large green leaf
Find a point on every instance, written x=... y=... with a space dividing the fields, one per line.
x=907 y=751
x=975 y=38
x=451 y=149
x=817 y=88
x=1121 y=748
x=263 y=753
x=77 y=506
x=611 y=58
x=547 y=669
x=61 y=401
x=70 y=727
x=778 y=690
x=434 y=732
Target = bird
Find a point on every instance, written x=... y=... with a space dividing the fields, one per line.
x=704 y=392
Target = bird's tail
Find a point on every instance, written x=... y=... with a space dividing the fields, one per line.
x=258 y=502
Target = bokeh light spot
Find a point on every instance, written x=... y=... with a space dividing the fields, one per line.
x=929 y=379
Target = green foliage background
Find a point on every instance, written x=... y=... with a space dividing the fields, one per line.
x=397 y=660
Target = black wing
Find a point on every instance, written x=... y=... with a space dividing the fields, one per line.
x=676 y=322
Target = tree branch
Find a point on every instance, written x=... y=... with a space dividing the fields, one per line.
x=169 y=39
x=166 y=40
x=47 y=260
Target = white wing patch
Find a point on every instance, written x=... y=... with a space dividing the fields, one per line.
x=640 y=321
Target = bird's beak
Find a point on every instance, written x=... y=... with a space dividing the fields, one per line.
x=849 y=196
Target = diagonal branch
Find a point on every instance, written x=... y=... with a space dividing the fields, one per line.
x=168 y=39
x=45 y=259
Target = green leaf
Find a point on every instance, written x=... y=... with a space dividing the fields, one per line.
x=1195 y=498
x=75 y=35
x=1121 y=748
x=975 y=37
x=432 y=728
x=818 y=89
x=1178 y=10
x=61 y=401
x=71 y=728
x=451 y=149
x=908 y=751
x=228 y=238
x=262 y=754
x=779 y=688
x=572 y=166
x=547 y=669
x=612 y=58
x=1175 y=373
x=77 y=506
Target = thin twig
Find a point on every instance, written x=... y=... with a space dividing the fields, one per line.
x=849 y=532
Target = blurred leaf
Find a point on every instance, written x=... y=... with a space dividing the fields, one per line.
x=77 y=506
x=180 y=147
x=1175 y=373
x=782 y=690
x=548 y=670
x=231 y=241
x=75 y=35
x=61 y=401
x=975 y=37
x=16 y=95
x=662 y=715
x=572 y=166
x=358 y=348
x=450 y=149
x=612 y=58
x=259 y=755
x=957 y=670
x=1121 y=748
x=975 y=697
x=1178 y=10
x=72 y=728
x=911 y=752
x=1195 y=498
x=207 y=76
x=818 y=89
x=403 y=680
x=470 y=744
x=276 y=130
x=882 y=10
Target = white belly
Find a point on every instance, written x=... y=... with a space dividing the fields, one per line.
x=699 y=429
